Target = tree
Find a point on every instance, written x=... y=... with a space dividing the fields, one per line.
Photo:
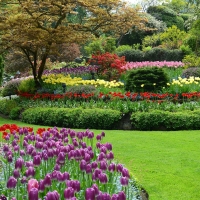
x=1 y=69
x=34 y=26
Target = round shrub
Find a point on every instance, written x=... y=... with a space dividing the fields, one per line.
x=146 y=79
x=132 y=55
x=6 y=106
x=191 y=71
x=11 y=87
x=15 y=113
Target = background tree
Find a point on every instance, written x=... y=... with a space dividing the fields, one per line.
x=1 y=69
x=34 y=26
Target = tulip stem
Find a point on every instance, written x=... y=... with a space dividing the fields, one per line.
x=17 y=188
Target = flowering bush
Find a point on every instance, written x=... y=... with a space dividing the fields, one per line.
x=61 y=164
x=110 y=65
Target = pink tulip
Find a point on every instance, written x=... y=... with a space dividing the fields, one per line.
x=32 y=183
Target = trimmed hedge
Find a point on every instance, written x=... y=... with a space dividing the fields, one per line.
x=165 y=120
x=72 y=118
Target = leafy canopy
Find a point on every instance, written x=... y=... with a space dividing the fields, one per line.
x=35 y=26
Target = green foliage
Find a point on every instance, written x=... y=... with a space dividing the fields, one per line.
x=80 y=89
x=165 y=120
x=1 y=69
x=7 y=105
x=186 y=49
x=11 y=87
x=172 y=38
x=191 y=71
x=161 y=54
x=146 y=79
x=15 y=113
x=166 y=15
x=27 y=85
x=122 y=48
x=101 y=45
x=132 y=55
x=73 y=118
x=191 y=61
x=151 y=40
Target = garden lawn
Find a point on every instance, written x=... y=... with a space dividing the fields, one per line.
x=166 y=164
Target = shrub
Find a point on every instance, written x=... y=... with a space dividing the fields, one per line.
x=6 y=106
x=160 y=54
x=15 y=113
x=145 y=79
x=122 y=48
x=27 y=85
x=165 y=120
x=11 y=87
x=77 y=118
x=191 y=61
x=191 y=71
x=110 y=65
x=132 y=55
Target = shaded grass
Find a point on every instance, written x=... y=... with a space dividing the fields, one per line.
x=166 y=164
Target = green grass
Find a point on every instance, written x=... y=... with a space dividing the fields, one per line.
x=166 y=164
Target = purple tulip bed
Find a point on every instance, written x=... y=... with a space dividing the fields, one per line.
x=58 y=164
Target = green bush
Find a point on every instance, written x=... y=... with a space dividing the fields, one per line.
x=6 y=106
x=122 y=48
x=27 y=85
x=132 y=55
x=165 y=120
x=72 y=118
x=11 y=87
x=146 y=79
x=15 y=113
x=160 y=54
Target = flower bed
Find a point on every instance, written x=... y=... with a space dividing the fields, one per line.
x=61 y=164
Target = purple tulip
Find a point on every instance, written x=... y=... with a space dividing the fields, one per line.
x=33 y=194
x=57 y=167
x=87 y=157
x=119 y=167
x=12 y=182
x=14 y=142
x=110 y=156
x=36 y=160
x=74 y=184
x=22 y=153
x=16 y=173
x=103 y=178
x=2 y=197
x=13 y=198
x=108 y=146
x=47 y=180
x=112 y=167
x=125 y=173
x=94 y=165
x=90 y=135
x=30 y=172
x=29 y=164
x=98 y=145
x=61 y=158
x=16 y=148
x=101 y=156
x=89 y=169
x=24 y=180
x=103 y=149
x=121 y=195
x=103 y=134
x=41 y=187
x=83 y=165
x=32 y=183
x=96 y=189
x=90 y=194
x=115 y=197
x=9 y=158
x=98 y=137
x=52 y=196
x=103 y=166
x=69 y=193
x=66 y=176
x=124 y=181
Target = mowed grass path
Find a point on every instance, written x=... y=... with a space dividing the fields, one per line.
x=166 y=164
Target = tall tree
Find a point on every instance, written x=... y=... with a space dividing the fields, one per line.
x=34 y=26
